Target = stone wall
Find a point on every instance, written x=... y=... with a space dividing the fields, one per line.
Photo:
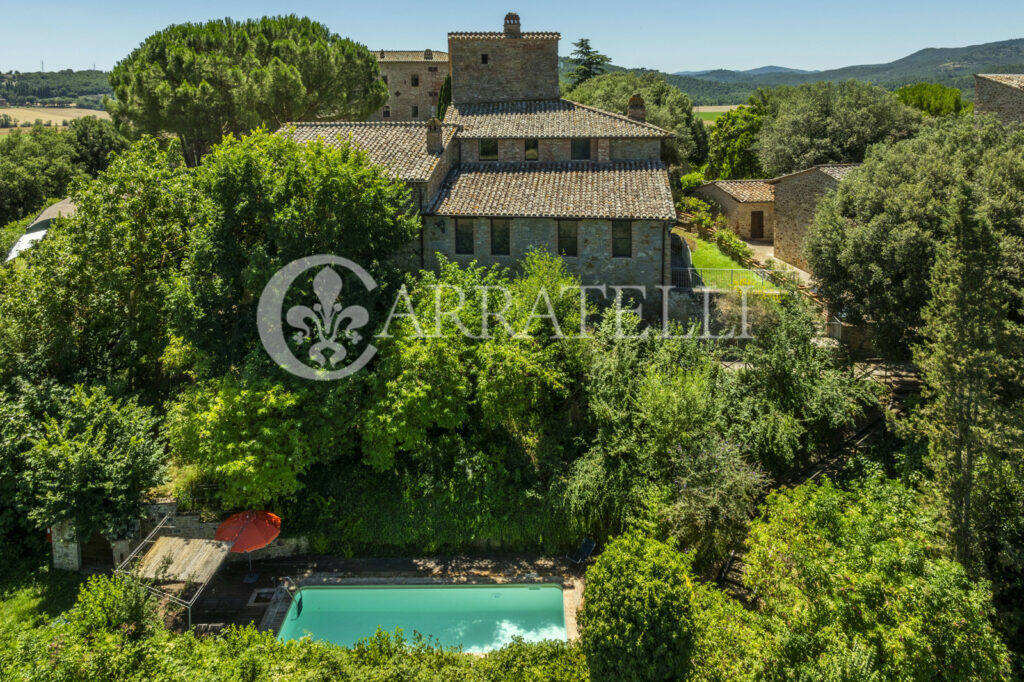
x=629 y=148
x=649 y=266
x=516 y=69
x=1005 y=101
x=403 y=95
x=737 y=213
x=67 y=552
x=796 y=199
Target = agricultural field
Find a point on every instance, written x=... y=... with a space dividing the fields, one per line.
x=712 y=112
x=55 y=115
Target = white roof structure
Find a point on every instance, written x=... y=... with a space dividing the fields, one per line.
x=24 y=242
x=38 y=228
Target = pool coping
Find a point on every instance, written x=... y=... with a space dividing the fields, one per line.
x=572 y=592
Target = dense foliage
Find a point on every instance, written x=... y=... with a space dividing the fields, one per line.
x=586 y=62
x=934 y=99
x=636 y=623
x=874 y=243
x=667 y=107
x=831 y=123
x=40 y=163
x=202 y=81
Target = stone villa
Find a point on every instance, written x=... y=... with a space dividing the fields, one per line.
x=513 y=167
x=1000 y=94
x=748 y=205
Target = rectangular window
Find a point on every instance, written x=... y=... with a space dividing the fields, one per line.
x=501 y=238
x=432 y=69
x=622 y=239
x=568 y=241
x=464 y=236
x=483 y=59
x=385 y=79
x=532 y=150
x=581 y=150
x=387 y=112
x=415 y=81
x=432 y=93
x=415 y=112
x=488 y=150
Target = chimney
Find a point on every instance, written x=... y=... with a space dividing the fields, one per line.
x=512 y=26
x=637 y=109
x=434 y=144
x=427 y=54
x=382 y=54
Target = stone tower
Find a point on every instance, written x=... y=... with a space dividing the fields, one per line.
x=505 y=66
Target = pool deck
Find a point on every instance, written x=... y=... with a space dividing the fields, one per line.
x=228 y=600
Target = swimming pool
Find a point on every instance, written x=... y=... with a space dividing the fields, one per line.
x=477 y=617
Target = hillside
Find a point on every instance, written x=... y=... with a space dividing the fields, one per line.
x=86 y=88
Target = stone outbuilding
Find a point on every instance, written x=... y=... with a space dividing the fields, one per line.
x=748 y=205
x=1000 y=94
x=796 y=199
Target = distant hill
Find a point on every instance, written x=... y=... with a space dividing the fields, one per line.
x=84 y=88
x=952 y=66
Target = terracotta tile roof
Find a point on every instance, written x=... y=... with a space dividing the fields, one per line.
x=537 y=35
x=1014 y=80
x=409 y=56
x=635 y=190
x=401 y=146
x=545 y=118
x=747 y=191
x=838 y=171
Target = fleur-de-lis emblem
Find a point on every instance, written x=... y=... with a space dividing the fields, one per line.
x=326 y=321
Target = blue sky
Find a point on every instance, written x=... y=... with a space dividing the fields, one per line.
x=672 y=36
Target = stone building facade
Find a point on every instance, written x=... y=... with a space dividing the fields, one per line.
x=748 y=206
x=414 y=79
x=1000 y=94
x=796 y=200
x=506 y=66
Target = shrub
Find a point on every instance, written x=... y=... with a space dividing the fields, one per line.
x=637 y=618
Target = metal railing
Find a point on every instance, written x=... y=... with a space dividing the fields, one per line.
x=726 y=279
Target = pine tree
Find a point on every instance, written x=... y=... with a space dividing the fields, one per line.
x=588 y=61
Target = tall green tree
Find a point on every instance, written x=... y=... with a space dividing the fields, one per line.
x=95 y=140
x=970 y=350
x=35 y=165
x=202 y=81
x=588 y=62
x=934 y=99
x=732 y=151
x=667 y=107
x=831 y=123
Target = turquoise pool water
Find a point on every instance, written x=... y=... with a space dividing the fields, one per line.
x=477 y=617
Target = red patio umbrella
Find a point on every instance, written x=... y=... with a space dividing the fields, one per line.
x=249 y=530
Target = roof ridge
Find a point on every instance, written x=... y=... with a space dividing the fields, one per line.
x=619 y=116
x=377 y=124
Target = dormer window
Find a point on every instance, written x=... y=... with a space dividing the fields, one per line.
x=483 y=59
x=580 y=150
x=488 y=150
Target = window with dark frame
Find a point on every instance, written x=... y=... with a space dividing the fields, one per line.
x=531 y=151
x=414 y=81
x=568 y=238
x=488 y=150
x=385 y=79
x=483 y=59
x=387 y=112
x=464 y=236
x=415 y=111
x=432 y=69
x=580 y=150
x=501 y=237
x=622 y=239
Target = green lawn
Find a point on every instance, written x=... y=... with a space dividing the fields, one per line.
x=707 y=255
x=709 y=115
x=33 y=596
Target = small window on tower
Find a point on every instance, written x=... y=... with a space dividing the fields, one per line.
x=385 y=79
x=415 y=112
x=483 y=59
x=432 y=69
x=387 y=112
x=415 y=81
